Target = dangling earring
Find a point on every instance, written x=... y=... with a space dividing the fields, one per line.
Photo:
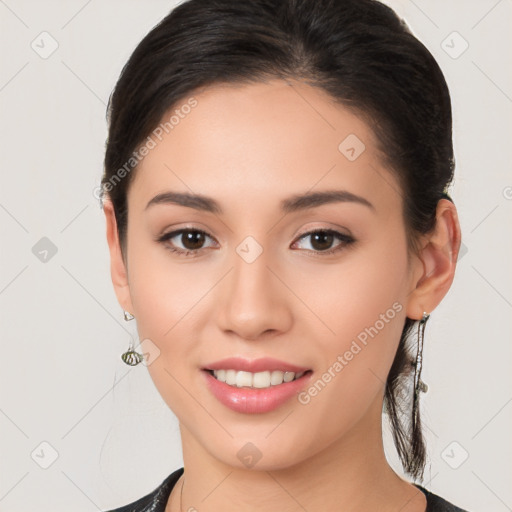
x=419 y=385
x=131 y=357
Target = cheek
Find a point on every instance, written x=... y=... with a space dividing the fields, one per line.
x=362 y=304
x=351 y=295
x=172 y=301
x=361 y=301
x=169 y=300
x=163 y=290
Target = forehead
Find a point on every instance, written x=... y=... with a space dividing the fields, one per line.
x=261 y=141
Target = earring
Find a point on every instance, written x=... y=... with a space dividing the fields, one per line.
x=419 y=385
x=131 y=357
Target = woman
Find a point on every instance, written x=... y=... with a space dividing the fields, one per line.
x=275 y=193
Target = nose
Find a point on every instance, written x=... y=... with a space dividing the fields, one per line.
x=253 y=302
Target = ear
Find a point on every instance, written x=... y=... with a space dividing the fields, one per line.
x=118 y=269
x=437 y=262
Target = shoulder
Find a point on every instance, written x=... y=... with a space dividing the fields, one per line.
x=437 y=504
x=156 y=500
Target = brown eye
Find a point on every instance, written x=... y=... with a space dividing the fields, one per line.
x=191 y=241
x=321 y=241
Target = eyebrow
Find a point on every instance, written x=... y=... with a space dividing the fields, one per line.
x=292 y=204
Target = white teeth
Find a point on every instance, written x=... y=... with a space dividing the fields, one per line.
x=260 y=380
x=288 y=376
x=230 y=377
x=255 y=380
x=243 y=379
x=276 y=378
x=221 y=375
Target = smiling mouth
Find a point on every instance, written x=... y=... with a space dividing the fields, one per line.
x=258 y=380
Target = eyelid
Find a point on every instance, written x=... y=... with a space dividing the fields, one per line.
x=331 y=229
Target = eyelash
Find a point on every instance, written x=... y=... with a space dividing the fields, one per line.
x=346 y=239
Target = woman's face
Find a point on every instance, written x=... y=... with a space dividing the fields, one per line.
x=257 y=282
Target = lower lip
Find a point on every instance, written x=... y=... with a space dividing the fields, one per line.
x=251 y=400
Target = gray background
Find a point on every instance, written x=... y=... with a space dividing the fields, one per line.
x=67 y=401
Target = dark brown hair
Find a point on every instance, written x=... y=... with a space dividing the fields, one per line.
x=359 y=52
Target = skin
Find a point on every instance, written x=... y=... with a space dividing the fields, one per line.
x=249 y=147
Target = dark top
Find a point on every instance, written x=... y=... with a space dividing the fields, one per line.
x=156 y=500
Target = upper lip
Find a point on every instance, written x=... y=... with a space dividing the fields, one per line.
x=254 y=365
